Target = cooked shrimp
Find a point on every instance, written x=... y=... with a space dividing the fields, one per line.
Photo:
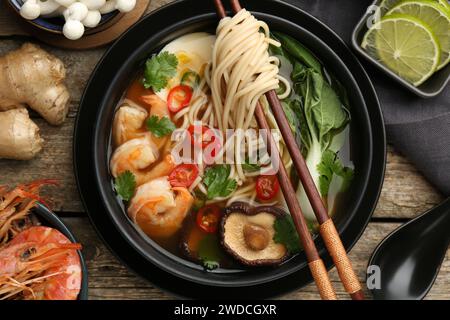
x=159 y=108
x=163 y=168
x=11 y=215
x=15 y=206
x=128 y=122
x=40 y=263
x=134 y=155
x=158 y=209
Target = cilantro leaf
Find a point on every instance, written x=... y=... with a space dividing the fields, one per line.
x=286 y=234
x=209 y=252
x=250 y=167
x=217 y=182
x=125 y=184
x=210 y=265
x=200 y=200
x=159 y=69
x=160 y=127
x=329 y=166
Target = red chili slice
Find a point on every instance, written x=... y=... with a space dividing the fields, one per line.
x=183 y=175
x=179 y=98
x=206 y=138
x=267 y=187
x=208 y=218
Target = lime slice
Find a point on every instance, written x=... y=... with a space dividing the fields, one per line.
x=436 y=17
x=405 y=45
x=387 y=5
x=444 y=3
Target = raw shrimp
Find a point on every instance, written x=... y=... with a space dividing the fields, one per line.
x=134 y=155
x=159 y=209
x=128 y=122
x=40 y=263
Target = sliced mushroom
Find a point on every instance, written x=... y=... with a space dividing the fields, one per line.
x=247 y=234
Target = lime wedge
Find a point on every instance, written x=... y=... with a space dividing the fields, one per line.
x=436 y=17
x=405 y=45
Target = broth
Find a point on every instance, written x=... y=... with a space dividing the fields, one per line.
x=190 y=232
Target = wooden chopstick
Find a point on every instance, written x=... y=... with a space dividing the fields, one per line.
x=315 y=263
x=327 y=228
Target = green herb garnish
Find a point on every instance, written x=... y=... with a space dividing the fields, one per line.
x=159 y=69
x=329 y=166
x=190 y=78
x=209 y=252
x=160 y=127
x=125 y=185
x=199 y=200
x=217 y=182
x=286 y=234
x=250 y=167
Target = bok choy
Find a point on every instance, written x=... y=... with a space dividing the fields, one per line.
x=318 y=116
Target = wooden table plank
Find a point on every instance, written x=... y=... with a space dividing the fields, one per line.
x=109 y=279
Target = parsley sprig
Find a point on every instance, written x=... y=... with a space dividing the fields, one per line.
x=159 y=69
x=217 y=182
x=125 y=185
x=160 y=127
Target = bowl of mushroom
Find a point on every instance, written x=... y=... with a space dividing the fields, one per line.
x=71 y=18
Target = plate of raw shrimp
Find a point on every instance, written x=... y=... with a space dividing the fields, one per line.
x=40 y=259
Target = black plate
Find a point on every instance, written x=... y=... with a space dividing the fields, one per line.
x=92 y=132
x=49 y=219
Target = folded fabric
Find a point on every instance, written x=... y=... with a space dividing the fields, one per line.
x=418 y=128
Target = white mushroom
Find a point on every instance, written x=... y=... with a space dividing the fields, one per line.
x=48 y=6
x=92 y=19
x=108 y=7
x=76 y=11
x=30 y=10
x=125 y=5
x=73 y=29
x=65 y=3
x=93 y=4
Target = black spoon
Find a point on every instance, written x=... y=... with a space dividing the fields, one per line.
x=410 y=257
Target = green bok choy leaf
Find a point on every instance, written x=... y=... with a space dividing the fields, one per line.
x=317 y=116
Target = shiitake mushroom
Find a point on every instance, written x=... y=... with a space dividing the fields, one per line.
x=247 y=234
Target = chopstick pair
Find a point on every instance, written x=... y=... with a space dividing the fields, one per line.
x=327 y=228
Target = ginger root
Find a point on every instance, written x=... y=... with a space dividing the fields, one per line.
x=30 y=76
x=19 y=136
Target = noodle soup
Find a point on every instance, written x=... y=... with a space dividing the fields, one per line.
x=197 y=189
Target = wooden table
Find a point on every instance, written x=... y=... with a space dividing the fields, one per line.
x=405 y=194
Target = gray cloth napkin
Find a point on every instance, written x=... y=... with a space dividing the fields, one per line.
x=419 y=128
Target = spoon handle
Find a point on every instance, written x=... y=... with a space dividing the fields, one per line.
x=440 y=216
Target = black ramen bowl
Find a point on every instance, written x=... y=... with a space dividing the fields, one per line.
x=49 y=219
x=93 y=133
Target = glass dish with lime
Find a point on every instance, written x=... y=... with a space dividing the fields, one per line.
x=411 y=38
